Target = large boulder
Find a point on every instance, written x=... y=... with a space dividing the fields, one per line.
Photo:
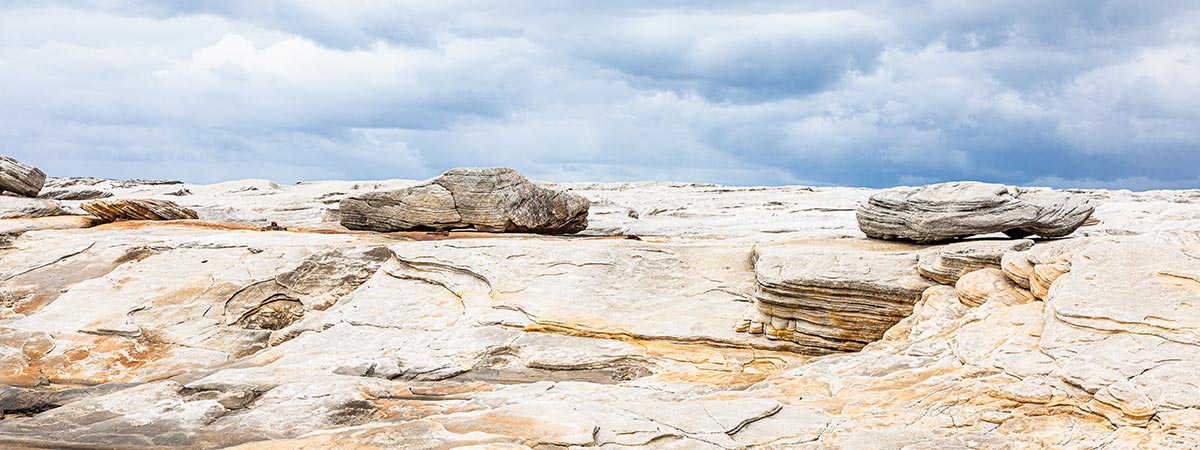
x=494 y=199
x=940 y=212
x=20 y=178
x=138 y=209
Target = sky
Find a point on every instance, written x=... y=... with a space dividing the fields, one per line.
x=1091 y=94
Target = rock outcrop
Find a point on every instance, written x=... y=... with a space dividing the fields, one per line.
x=138 y=209
x=214 y=334
x=495 y=199
x=27 y=208
x=20 y=178
x=947 y=264
x=940 y=212
x=74 y=194
x=984 y=285
x=837 y=298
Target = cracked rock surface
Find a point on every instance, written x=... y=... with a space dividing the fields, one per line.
x=755 y=318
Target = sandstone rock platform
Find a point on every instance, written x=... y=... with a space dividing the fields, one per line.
x=215 y=334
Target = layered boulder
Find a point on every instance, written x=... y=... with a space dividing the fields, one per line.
x=20 y=178
x=832 y=299
x=28 y=208
x=138 y=209
x=492 y=199
x=945 y=211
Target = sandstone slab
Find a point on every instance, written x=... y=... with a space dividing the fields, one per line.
x=940 y=212
x=138 y=209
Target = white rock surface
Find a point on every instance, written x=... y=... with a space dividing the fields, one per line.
x=216 y=333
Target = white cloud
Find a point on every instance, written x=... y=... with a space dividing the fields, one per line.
x=748 y=93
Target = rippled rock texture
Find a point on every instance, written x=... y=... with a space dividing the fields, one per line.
x=940 y=212
x=20 y=178
x=495 y=199
x=225 y=333
x=138 y=209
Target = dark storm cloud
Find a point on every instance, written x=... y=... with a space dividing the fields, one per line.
x=870 y=93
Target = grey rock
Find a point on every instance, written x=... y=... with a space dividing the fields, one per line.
x=494 y=199
x=28 y=208
x=75 y=194
x=940 y=212
x=20 y=178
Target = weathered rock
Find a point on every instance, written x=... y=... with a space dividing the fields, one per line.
x=837 y=298
x=20 y=178
x=1037 y=268
x=939 y=212
x=75 y=194
x=28 y=208
x=138 y=209
x=495 y=199
x=990 y=285
x=945 y=265
x=202 y=335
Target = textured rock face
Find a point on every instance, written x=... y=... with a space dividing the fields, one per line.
x=203 y=334
x=138 y=209
x=837 y=298
x=20 y=178
x=940 y=212
x=495 y=199
x=947 y=264
x=27 y=208
x=74 y=194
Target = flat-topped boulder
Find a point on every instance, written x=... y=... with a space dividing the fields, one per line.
x=832 y=298
x=945 y=211
x=138 y=209
x=493 y=199
x=20 y=178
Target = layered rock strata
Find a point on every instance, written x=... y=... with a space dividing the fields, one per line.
x=28 y=208
x=495 y=199
x=940 y=212
x=1036 y=269
x=138 y=209
x=200 y=335
x=836 y=298
x=20 y=178
x=947 y=264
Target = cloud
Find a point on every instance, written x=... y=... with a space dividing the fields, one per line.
x=872 y=93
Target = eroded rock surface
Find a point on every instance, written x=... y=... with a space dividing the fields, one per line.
x=940 y=212
x=495 y=199
x=832 y=297
x=191 y=334
x=947 y=264
x=20 y=178
x=28 y=208
x=137 y=209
